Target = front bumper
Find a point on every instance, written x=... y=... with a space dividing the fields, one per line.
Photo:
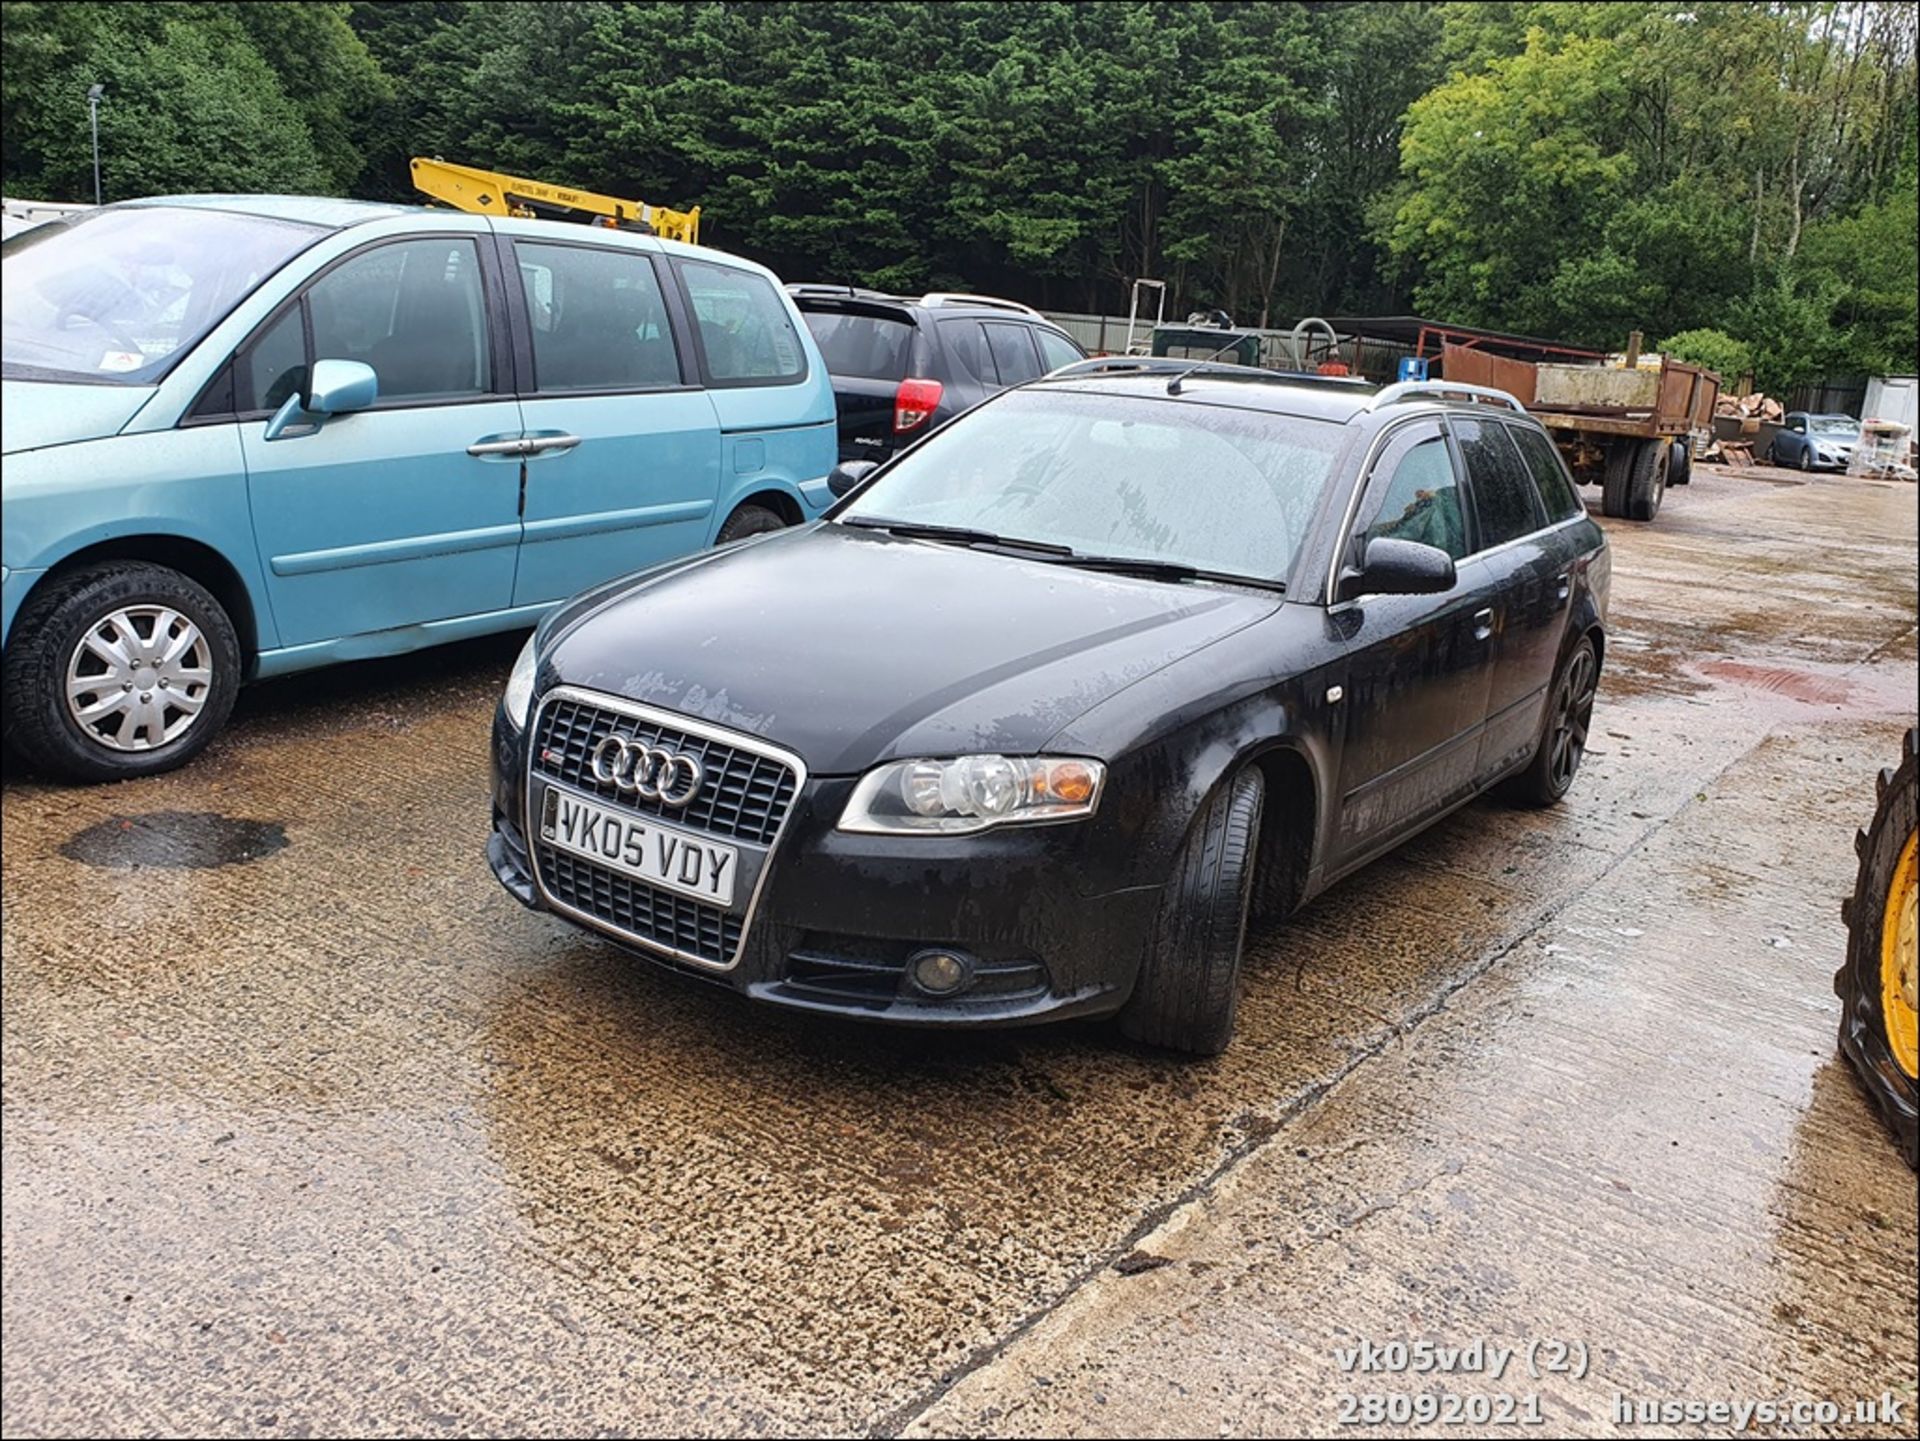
x=838 y=915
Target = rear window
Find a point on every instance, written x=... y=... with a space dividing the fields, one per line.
x=863 y=345
x=1556 y=491
x=1504 y=494
x=744 y=326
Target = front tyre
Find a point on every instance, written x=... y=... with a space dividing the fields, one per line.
x=1879 y=985
x=1189 y=983
x=119 y=670
x=1563 y=742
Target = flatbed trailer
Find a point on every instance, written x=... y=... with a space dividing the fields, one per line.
x=1624 y=425
x=1627 y=428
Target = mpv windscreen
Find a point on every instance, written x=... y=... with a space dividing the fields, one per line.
x=118 y=296
x=1212 y=487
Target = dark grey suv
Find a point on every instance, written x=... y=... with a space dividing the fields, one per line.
x=901 y=366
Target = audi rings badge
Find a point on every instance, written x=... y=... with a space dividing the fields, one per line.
x=653 y=773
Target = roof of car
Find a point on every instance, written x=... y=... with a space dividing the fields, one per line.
x=304 y=209
x=1313 y=397
x=953 y=303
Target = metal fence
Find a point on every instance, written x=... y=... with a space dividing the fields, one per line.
x=1107 y=335
x=1835 y=395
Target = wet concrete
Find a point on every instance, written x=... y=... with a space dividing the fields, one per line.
x=341 y=1140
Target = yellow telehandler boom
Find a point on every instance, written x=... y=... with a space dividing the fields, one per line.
x=486 y=192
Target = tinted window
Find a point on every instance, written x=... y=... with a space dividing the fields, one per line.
x=863 y=345
x=1218 y=488
x=966 y=343
x=1056 y=350
x=1013 y=353
x=275 y=365
x=1504 y=496
x=120 y=295
x=598 y=319
x=1556 y=490
x=744 y=326
x=414 y=311
x=1414 y=495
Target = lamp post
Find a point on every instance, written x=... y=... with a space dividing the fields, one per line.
x=94 y=92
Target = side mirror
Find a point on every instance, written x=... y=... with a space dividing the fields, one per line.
x=848 y=474
x=1399 y=567
x=336 y=387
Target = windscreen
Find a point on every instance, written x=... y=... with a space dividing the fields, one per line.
x=119 y=296
x=1210 y=486
x=1835 y=425
x=862 y=345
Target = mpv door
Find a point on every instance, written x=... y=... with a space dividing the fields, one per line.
x=1419 y=667
x=1532 y=574
x=627 y=469
x=385 y=518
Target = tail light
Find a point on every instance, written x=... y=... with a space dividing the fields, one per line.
x=915 y=402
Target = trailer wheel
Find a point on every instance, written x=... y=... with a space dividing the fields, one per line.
x=1680 y=463
x=1616 y=478
x=1646 y=480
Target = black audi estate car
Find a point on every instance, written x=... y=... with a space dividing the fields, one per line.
x=1044 y=706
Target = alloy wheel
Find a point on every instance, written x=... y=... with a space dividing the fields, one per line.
x=139 y=678
x=1573 y=714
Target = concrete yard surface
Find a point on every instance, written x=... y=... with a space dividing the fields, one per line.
x=309 y=1129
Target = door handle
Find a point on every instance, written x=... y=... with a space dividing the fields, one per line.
x=555 y=442
x=516 y=445
x=1483 y=624
x=1563 y=587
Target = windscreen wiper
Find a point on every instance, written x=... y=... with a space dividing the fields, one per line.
x=954 y=534
x=1173 y=570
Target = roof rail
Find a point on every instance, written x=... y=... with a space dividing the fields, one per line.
x=1442 y=390
x=1177 y=365
x=992 y=302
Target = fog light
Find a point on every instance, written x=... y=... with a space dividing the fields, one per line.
x=939 y=973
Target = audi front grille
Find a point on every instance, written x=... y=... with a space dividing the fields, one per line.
x=745 y=793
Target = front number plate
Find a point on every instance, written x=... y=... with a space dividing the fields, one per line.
x=660 y=855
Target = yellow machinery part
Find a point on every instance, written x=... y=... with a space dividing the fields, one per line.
x=487 y=192
x=1899 y=924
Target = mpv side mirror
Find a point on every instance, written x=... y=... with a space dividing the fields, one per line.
x=1399 y=567
x=848 y=474
x=336 y=387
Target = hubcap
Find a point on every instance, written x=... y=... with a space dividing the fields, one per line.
x=139 y=678
x=1899 y=925
x=1573 y=713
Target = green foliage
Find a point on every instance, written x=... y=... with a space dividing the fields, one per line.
x=1714 y=349
x=1576 y=170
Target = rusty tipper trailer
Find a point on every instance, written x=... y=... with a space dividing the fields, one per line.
x=1622 y=422
x=1624 y=426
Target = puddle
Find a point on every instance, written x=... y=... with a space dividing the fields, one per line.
x=174 y=840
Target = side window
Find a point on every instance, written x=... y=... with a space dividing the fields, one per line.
x=599 y=320
x=1056 y=350
x=275 y=365
x=966 y=342
x=1013 y=353
x=1504 y=495
x=1549 y=476
x=744 y=327
x=414 y=311
x=1413 y=495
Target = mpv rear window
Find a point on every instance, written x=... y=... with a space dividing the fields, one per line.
x=863 y=345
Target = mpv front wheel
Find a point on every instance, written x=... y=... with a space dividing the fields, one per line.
x=119 y=670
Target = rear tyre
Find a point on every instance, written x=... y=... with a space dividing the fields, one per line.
x=119 y=670
x=1563 y=740
x=1617 y=478
x=1189 y=984
x=1877 y=985
x=748 y=520
x=1647 y=480
x=1680 y=463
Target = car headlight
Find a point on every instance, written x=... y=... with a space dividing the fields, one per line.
x=972 y=793
x=519 y=694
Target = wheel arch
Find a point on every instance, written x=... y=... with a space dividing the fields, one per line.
x=194 y=559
